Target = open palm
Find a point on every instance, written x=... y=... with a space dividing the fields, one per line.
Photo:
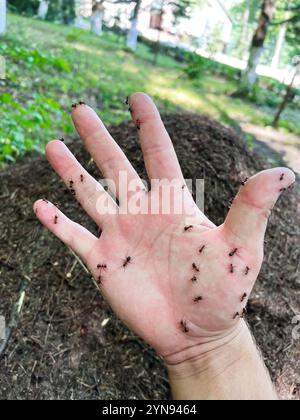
x=176 y=280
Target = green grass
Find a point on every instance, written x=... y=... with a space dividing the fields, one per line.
x=49 y=66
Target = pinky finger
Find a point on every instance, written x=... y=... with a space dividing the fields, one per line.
x=79 y=239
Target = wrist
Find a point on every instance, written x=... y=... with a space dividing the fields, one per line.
x=188 y=360
x=219 y=372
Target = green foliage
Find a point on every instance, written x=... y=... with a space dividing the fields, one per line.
x=65 y=64
x=196 y=66
x=26 y=7
x=61 y=11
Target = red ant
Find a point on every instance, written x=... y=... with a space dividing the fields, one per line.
x=55 y=220
x=231 y=268
x=245 y=181
x=244 y=297
x=188 y=228
x=102 y=266
x=244 y=313
x=184 y=326
x=100 y=280
x=198 y=299
x=138 y=124
x=236 y=315
x=195 y=267
x=247 y=269
x=201 y=249
x=45 y=201
x=81 y=178
x=126 y=261
x=232 y=253
x=281 y=177
x=282 y=190
x=194 y=279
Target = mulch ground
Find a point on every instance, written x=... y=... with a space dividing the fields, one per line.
x=68 y=344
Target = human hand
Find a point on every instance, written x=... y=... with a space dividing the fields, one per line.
x=176 y=280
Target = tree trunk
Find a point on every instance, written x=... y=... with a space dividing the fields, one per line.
x=281 y=39
x=43 y=9
x=133 y=32
x=257 y=46
x=245 y=30
x=2 y=16
x=286 y=100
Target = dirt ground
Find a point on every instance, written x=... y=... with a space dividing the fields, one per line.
x=68 y=344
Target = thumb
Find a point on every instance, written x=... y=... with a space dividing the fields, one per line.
x=248 y=217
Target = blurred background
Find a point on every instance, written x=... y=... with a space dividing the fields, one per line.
x=237 y=61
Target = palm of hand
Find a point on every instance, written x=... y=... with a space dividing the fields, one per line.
x=176 y=280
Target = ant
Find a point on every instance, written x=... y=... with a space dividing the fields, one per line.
x=100 y=280
x=73 y=191
x=244 y=297
x=55 y=220
x=130 y=110
x=183 y=187
x=188 y=228
x=102 y=266
x=244 y=313
x=231 y=268
x=127 y=100
x=247 y=270
x=201 y=249
x=45 y=201
x=184 y=326
x=82 y=103
x=245 y=181
x=195 y=267
x=282 y=190
x=138 y=124
x=62 y=139
x=281 y=177
x=126 y=261
x=194 y=279
x=81 y=178
x=232 y=253
x=198 y=299
x=236 y=315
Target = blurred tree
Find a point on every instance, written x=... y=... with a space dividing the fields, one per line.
x=97 y=16
x=43 y=9
x=26 y=7
x=132 y=36
x=2 y=16
x=133 y=32
x=293 y=21
x=281 y=36
x=289 y=95
x=245 y=15
x=180 y=9
x=61 y=11
x=257 y=46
